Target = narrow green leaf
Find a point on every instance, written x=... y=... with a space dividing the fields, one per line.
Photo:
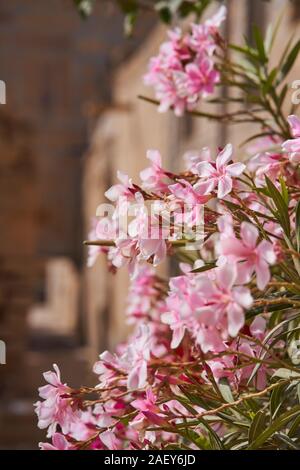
x=225 y=390
x=287 y=441
x=276 y=399
x=290 y=60
x=278 y=424
x=269 y=82
x=294 y=429
x=286 y=373
x=281 y=206
x=260 y=45
x=206 y=267
x=247 y=51
x=258 y=425
x=215 y=441
x=282 y=95
x=284 y=190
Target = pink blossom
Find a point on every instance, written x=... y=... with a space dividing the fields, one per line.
x=257 y=331
x=146 y=404
x=186 y=192
x=253 y=256
x=192 y=158
x=124 y=188
x=201 y=78
x=220 y=174
x=137 y=357
x=148 y=411
x=269 y=164
x=184 y=70
x=142 y=298
x=105 y=415
x=152 y=176
x=59 y=442
x=292 y=146
x=223 y=298
x=202 y=34
x=133 y=361
x=109 y=439
x=217 y=19
x=56 y=408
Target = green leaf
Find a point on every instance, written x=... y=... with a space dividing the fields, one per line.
x=282 y=213
x=294 y=429
x=215 y=441
x=287 y=441
x=282 y=95
x=286 y=373
x=278 y=424
x=206 y=267
x=225 y=390
x=269 y=82
x=276 y=399
x=258 y=424
x=290 y=60
x=264 y=351
x=284 y=191
x=247 y=51
x=260 y=45
x=297 y=224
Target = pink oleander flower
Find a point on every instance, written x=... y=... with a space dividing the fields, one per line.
x=105 y=415
x=146 y=404
x=56 y=408
x=110 y=441
x=201 y=78
x=59 y=442
x=137 y=357
x=149 y=412
x=133 y=361
x=192 y=158
x=266 y=164
x=292 y=146
x=202 y=38
x=219 y=174
x=252 y=349
x=224 y=301
x=142 y=294
x=107 y=368
x=152 y=177
x=125 y=188
x=184 y=70
x=178 y=313
x=209 y=306
x=252 y=256
x=189 y=194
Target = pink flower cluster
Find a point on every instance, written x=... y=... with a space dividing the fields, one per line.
x=148 y=218
x=185 y=70
x=197 y=328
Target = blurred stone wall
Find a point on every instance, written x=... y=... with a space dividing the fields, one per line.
x=56 y=67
